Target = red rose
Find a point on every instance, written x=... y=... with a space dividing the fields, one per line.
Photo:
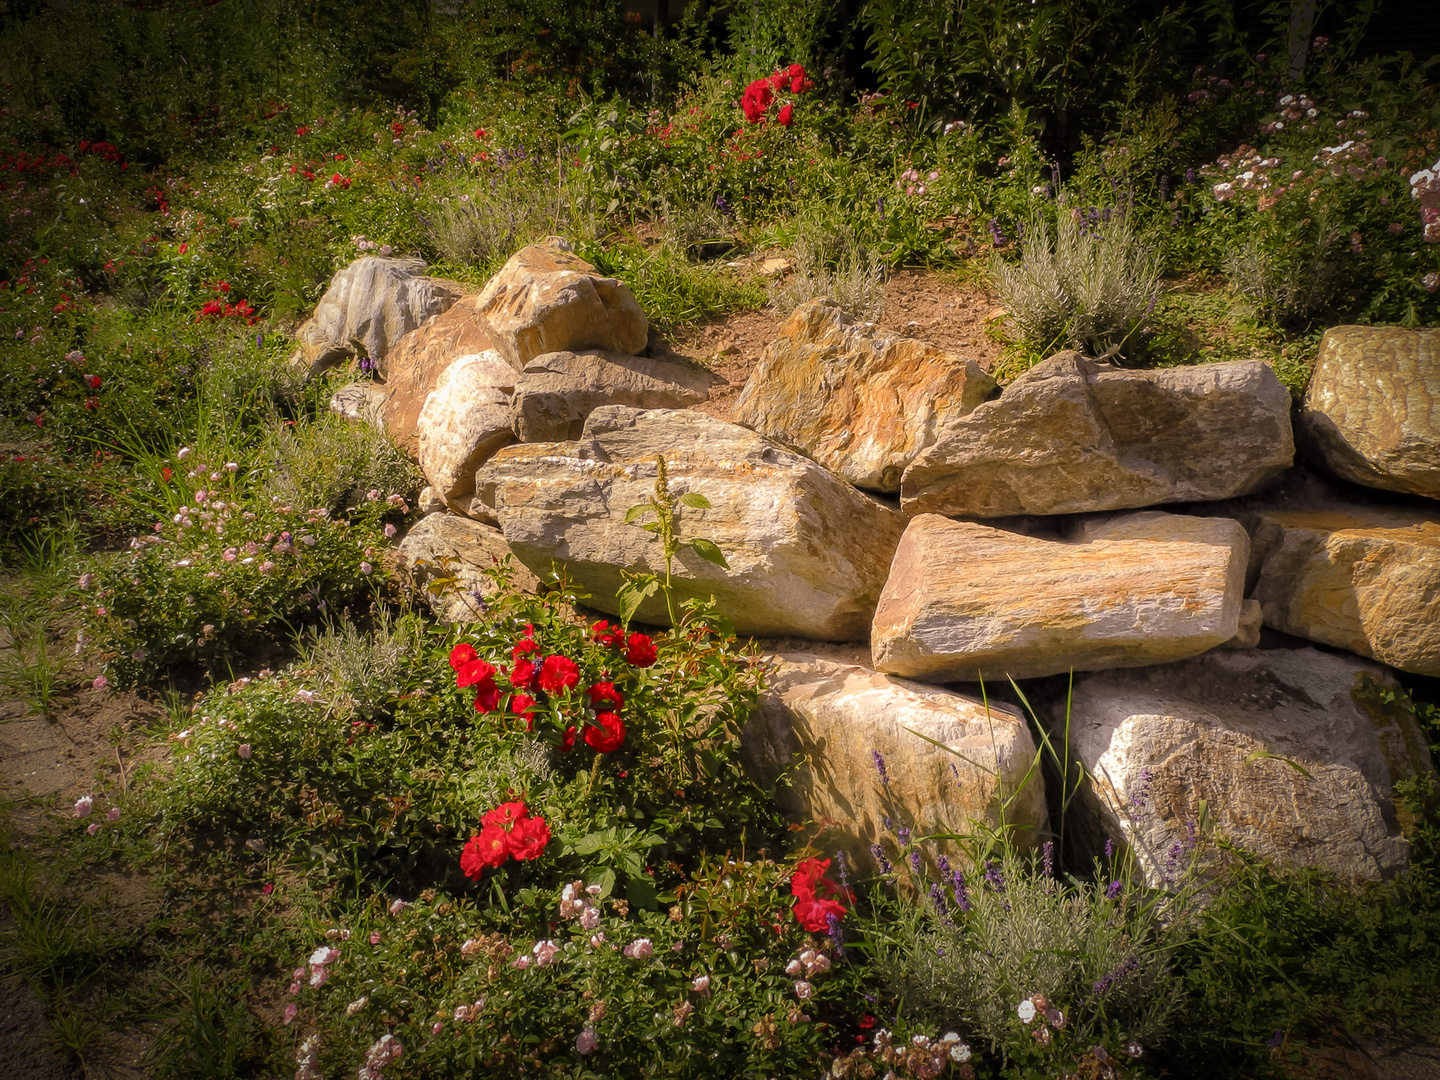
x=567 y=741
x=487 y=849
x=605 y=691
x=528 y=838
x=487 y=696
x=605 y=634
x=474 y=672
x=94 y=382
x=558 y=674
x=778 y=79
x=461 y=655
x=524 y=647
x=523 y=705
x=787 y=115
x=640 y=651
x=756 y=100
x=523 y=674
x=798 y=82
x=607 y=734
x=506 y=814
x=814 y=914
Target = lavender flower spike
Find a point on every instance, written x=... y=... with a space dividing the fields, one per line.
x=880 y=766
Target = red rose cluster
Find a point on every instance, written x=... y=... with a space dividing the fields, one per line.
x=817 y=898
x=760 y=94
x=507 y=832
x=555 y=676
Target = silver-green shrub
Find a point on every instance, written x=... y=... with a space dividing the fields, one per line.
x=981 y=943
x=1086 y=284
x=833 y=261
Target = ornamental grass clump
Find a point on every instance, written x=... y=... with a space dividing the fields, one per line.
x=1087 y=283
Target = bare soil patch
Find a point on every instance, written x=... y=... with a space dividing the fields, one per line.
x=936 y=308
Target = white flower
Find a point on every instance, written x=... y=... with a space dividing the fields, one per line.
x=182 y=453
x=399 y=905
x=83 y=805
x=701 y=984
x=590 y=918
x=325 y=954
x=803 y=990
x=1026 y=1011
x=355 y=1006
x=308 y=698
x=960 y=1052
x=243 y=750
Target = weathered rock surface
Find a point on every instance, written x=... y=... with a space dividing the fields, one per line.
x=1252 y=621
x=557 y=391
x=1361 y=578
x=820 y=723
x=443 y=559
x=415 y=367
x=807 y=552
x=1157 y=741
x=1372 y=409
x=1072 y=435
x=859 y=400
x=368 y=307
x=548 y=299
x=966 y=601
x=362 y=402
x=463 y=422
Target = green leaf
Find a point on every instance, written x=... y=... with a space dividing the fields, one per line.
x=637 y=512
x=605 y=879
x=634 y=593
x=707 y=550
x=641 y=893
x=1265 y=755
x=695 y=499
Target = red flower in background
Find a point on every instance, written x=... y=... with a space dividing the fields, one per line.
x=93 y=381
x=605 y=634
x=567 y=741
x=558 y=674
x=487 y=696
x=523 y=674
x=786 y=116
x=609 y=736
x=640 y=651
x=461 y=655
x=508 y=831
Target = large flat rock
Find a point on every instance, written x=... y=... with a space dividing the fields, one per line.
x=557 y=391
x=444 y=558
x=1072 y=435
x=1293 y=752
x=808 y=553
x=1372 y=408
x=1360 y=577
x=860 y=400
x=464 y=420
x=369 y=306
x=418 y=362
x=821 y=723
x=966 y=601
x=547 y=299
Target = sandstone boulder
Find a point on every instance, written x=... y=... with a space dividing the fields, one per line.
x=443 y=560
x=807 y=552
x=463 y=422
x=1293 y=752
x=967 y=601
x=1361 y=578
x=414 y=368
x=557 y=391
x=1372 y=409
x=1073 y=435
x=548 y=299
x=824 y=729
x=858 y=400
x=368 y=307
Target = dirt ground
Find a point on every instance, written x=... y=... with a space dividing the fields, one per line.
x=932 y=307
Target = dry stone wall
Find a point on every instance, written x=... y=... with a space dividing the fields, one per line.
x=1234 y=649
